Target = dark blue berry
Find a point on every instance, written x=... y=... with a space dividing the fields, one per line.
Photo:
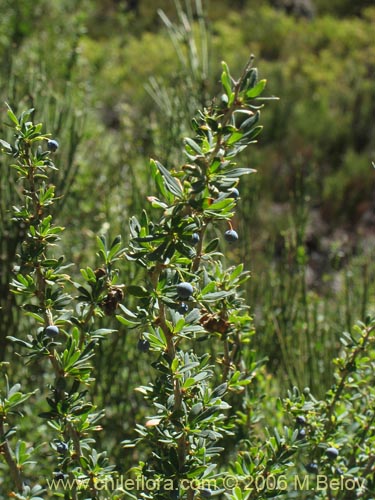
x=52 y=331
x=184 y=290
x=52 y=145
x=183 y=308
x=234 y=193
x=300 y=420
x=312 y=468
x=332 y=453
x=61 y=447
x=301 y=434
x=143 y=345
x=224 y=99
x=231 y=235
x=195 y=238
x=58 y=475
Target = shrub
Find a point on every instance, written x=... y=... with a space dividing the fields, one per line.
x=185 y=301
x=188 y=397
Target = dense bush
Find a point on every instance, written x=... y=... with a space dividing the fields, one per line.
x=118 y=82
x=187 y=298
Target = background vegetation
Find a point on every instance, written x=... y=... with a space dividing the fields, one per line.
x=118 y=81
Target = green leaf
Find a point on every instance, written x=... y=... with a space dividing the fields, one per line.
x=219 y=205
x=210 y=287
x=188 y=366
x=127 y=322
x=14 y=389
x=192 y=317
x=213 y=244
x=236 y=272
x=219 y=391
x=257 y=90
x=195 y=409
x=235 y=137
x=212 y=297
x=172 y=184
x=137 y=291
x=254 y=132
x=226 y=79
x=101 y=242
x=21 y=342
x=189 y=382
x=202 y=376
x=128 y=313
x=18 y=398
x=250 y=79
x=237 y=172
x=6 y=146
x=159 y=181
x=193 y=145
x=114 y=250
x=156 y=203
x=237 y=493
x=249 y=122
x=174 y=365
x=12 y=116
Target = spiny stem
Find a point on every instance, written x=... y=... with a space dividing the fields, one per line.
x=198 y=256
x=171 y=352
x=226 y=359
x=345 y=375
x=229 y=112
x=5 y=448
x=41 y=295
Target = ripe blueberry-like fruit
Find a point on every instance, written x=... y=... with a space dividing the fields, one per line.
x=183 y=308
x=332 y=453
x=231 y=235
x=61 y=447
x=143 y=345
x=195 y=238
x=234 y=193
x=58 y=475
x=100 y=273
x=184 y=290
x=52 y=331
x=300 y=420
x=301 y=434
x=312 y=468
x=52 y=145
